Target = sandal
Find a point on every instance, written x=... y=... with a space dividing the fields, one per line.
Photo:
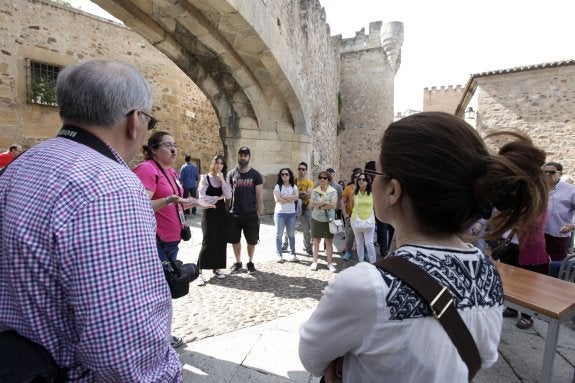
x=524 y=323
x=218 y=274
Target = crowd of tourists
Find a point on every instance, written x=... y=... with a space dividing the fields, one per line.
x=82 y=283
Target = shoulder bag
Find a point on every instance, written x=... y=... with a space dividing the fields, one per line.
x=440 y=300
x=361 y=224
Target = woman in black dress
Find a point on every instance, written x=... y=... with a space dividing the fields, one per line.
x=214 y=188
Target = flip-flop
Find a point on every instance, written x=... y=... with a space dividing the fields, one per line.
x=524 y=323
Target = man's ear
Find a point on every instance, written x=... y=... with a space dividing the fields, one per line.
x=393 y=192
x=133 y=126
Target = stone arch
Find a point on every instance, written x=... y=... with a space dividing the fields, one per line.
x=231 y=52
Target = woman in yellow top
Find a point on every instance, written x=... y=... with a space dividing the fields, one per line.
x=362 y=218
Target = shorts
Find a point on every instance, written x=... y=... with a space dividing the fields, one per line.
x=249 y=223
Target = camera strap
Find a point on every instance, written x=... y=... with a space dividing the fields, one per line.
x=84 y=137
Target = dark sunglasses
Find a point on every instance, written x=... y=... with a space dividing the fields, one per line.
x=151 y=122
x=550 y=172
x=285 y=174
x=376 y=173
x=301 y=169
x=361 y=178
x=322 y=178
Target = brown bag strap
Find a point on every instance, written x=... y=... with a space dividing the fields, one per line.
x=440 y=300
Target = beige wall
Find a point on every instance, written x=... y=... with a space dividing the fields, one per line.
x=30 y=32
x=442 y=99
x=540 y=102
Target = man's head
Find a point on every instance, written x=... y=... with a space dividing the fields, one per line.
x=187 y=158
x=553 y=172
x=244 y=157
x=302 y=169
x=15 y=150
x=331 y=173
x=107 y=94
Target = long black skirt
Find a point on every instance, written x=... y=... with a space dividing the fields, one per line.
x=214 y=244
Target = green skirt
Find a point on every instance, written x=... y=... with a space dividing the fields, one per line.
x=320 y=229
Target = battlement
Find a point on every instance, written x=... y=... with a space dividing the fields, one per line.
x=361 y=41
x=443 y=88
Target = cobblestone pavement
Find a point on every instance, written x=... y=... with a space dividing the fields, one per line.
x=242 y=300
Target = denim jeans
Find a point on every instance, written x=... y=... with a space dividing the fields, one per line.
x=170 y=248
x=287 y=221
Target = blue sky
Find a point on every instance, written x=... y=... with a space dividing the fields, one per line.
x=446 y=41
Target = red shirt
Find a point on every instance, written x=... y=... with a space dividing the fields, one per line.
x=5 y=158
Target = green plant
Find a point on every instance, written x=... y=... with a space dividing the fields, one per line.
x=43 y=91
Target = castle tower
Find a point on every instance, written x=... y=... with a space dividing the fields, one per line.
x=444 y=99
x=368 y=67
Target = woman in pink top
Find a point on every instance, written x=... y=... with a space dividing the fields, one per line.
x=163 y=187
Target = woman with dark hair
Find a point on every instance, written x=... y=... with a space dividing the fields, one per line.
x=324 y=202
x=346 y=211
x=213 y=190
x=286 y=196
x=163 y=187
x=434 y=178
x=362 y=219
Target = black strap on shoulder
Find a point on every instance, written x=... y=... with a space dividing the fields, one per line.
x=440 y=300
x=86 y=138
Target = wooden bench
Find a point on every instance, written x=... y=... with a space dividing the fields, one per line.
x=546 y=298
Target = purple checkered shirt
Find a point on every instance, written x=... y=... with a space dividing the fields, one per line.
x=79 y=269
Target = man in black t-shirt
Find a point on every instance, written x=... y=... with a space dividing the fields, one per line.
x=246 y=206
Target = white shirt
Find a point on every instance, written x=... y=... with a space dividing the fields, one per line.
x=385 y=331
x=560 y=209
x=284 y=192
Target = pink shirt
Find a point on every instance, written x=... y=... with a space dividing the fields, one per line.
x=167 y=218
x=532 y=244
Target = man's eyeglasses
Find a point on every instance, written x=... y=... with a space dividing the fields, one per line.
x=550 y=172
x=376 y=173
x=285 y=174
x=322 y=178
x=151 y=120
x=169 y=145
x=302 y=169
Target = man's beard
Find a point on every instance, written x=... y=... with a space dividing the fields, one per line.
x=243 y=164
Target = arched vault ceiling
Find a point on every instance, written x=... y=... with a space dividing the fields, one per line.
x=217 y=44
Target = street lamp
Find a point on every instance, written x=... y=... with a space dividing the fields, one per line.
x=469 y=113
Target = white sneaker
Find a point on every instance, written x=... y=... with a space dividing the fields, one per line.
x=201 y=281
x=313 y=266
x=331 y=268
x=294 y=258
x=218 y=274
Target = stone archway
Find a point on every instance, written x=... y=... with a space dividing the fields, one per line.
x=230 y=52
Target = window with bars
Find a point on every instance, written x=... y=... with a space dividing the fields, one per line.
x=42 y=84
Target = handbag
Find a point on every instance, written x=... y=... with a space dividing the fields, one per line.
x=362 y=224
x=440 y=301
x=186 y=233
x=335 y=226
x=503 y=249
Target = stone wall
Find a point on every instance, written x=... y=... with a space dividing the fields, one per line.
x=538 y=101
x=442 y=99
x=367 y=69
x=46 y=32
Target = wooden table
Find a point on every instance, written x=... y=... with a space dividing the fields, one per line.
x=547 y=298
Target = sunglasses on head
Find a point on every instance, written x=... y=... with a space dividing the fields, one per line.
x=550 y=172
